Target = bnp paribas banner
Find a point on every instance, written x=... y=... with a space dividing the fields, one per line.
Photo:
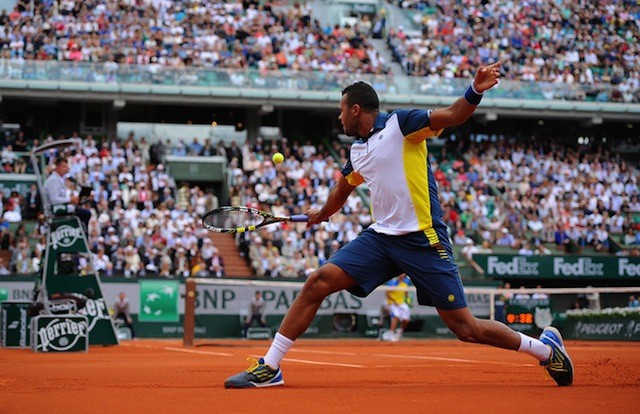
x=68 y=269
x=234 y=300
x=559 y=267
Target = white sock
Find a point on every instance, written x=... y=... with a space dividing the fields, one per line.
x=278 y=348
x=534 y=347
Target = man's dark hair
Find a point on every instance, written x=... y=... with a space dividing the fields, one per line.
x=363 y=94
x=60 y=160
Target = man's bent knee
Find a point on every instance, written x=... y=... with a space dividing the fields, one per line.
x=325 y=281
x=317 y=285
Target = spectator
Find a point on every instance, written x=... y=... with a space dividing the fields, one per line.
x=12 y=213
x=525 y=249
x=33 y=203
x=256 y=313
x=541 y=250
x=121 y=309
x=506 y=238
x=3 y=268
x=57 y=195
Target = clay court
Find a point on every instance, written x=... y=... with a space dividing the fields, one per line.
x=321 y=376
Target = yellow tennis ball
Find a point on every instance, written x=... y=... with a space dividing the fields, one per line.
x=277 y=158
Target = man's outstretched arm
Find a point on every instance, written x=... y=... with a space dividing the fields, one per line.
x=336 y=199
x=458 y=112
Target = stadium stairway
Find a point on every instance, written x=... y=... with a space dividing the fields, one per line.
x=234 y=264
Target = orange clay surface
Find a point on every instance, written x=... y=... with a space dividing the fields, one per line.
x=321 y=376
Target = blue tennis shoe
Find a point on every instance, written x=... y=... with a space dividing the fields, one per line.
x=559 y=365
x=258 y=375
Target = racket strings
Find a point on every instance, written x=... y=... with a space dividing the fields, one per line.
x=234 y=219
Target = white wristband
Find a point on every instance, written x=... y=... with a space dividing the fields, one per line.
x=474 y=89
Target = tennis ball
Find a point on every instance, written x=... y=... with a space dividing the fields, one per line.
x=277 y=158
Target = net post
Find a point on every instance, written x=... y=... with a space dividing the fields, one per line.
x=492 y=306
x=189 y=313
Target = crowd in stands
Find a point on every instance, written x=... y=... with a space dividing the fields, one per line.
x=531 y=195
x=142 y=223
x=523 y=195
x=183 y=33
x=577 y=50
x=564 y=43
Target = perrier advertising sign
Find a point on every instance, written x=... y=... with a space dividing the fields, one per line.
x=67 y=245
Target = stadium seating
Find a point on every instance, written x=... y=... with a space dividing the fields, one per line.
x=479 y=182
x=536 y=41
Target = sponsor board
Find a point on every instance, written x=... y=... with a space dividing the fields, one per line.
x=226 y=300
x=14 y=324
x=627 y=329
x=218 y=307
x=65 y=236
x=233 y=300
x=59 y=333
x=258 y=333
x=159 y=301
x=560 y=267
x=67 y=239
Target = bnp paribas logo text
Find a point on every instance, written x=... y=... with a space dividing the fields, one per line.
x=515 y=266
x=61 y=334
x=65 y=236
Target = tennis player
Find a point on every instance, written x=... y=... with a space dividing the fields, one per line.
x=399 y=304
x=408 y=235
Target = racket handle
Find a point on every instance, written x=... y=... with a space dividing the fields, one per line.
x=299 y=218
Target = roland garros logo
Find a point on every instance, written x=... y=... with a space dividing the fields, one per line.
x=65 y=236
x=61 y=334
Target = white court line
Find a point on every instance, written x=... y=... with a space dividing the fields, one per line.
x=338 y=364
x=414 y=366
x=138 y=345
x=193 y=351
x=323 y=352
x=335 y=364
x=473 y=361
x=170 y=348
x=425 y=357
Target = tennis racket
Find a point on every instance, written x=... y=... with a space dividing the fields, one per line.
x=241 y=219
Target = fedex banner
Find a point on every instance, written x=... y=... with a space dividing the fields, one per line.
x=559 y=267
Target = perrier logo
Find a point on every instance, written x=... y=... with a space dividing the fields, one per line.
x=61 y=334
x=65 y=236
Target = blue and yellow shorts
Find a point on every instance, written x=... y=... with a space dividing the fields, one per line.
x=374 y=258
